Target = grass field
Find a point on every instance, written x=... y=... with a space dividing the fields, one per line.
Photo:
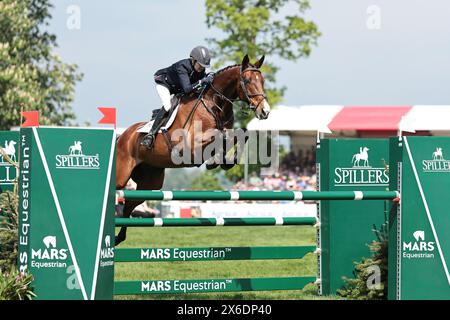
x=221 y=236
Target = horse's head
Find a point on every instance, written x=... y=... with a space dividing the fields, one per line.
x=251 y=87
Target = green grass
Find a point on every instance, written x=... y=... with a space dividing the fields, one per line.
x=221 y=236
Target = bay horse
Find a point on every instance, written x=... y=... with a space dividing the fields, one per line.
x=213 y=110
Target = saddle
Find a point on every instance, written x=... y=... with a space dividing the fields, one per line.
x=174 y=102
x=168 y=119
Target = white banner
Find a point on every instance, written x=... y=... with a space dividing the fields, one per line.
x=177 y=209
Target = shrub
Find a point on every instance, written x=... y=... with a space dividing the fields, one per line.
x=15 y=286
x=362 y=286
x=8 y=230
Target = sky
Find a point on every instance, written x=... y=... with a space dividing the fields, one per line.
x=398 y=54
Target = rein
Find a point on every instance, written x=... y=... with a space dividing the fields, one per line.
x=199 y=99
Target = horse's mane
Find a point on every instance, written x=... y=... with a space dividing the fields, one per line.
x=230 y=67
x=218 y=72
x=226 y=68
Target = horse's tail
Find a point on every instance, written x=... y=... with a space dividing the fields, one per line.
x=354 y=156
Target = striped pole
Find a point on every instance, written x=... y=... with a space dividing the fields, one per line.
x=211 y=222
x=256 y=195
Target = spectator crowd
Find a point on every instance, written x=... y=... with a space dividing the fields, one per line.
x=297 y=171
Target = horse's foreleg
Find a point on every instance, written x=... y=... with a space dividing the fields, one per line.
x=217 y=148
x=146 y=178
x=227 y=164
x=214 y=161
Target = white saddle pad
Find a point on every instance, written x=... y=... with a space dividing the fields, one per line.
x=146 y=127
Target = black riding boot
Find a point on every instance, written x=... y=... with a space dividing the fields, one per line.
x=149 y=139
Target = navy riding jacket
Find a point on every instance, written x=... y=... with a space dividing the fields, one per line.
x=179 y=77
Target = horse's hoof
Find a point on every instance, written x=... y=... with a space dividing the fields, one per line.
x=227 y=166
x=117 y=240
x=211 y=166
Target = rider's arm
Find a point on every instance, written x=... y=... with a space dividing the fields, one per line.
x=183 y=76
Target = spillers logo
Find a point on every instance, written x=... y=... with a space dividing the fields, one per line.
x=437 y=164
x=49 y=255
x=420 y=248
x=76 y=159
x=361 y=173
x=107 y=253
x=8 y=172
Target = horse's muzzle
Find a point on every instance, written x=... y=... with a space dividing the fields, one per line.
x=263 y=113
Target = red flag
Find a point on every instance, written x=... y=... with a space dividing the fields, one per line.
x=109 y=115
x=31 y=118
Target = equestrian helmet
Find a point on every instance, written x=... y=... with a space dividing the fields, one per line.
x=201 y=55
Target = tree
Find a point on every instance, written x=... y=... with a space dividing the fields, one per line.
x=206 y=181
x=31 y=76
x=179 y=178
x=256 y=27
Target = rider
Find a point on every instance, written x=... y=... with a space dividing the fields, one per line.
x=183 y=77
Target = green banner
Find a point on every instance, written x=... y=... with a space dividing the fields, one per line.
x=66 y=215
x=211 y=285
x=211 y=253
x=346 y=226
x=419 y=251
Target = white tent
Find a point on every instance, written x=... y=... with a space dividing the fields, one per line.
x=320 y=117
x=302 y=123
x=303 y=118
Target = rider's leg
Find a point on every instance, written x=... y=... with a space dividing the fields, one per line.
x=165 y=96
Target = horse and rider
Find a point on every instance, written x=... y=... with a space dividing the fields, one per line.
x=182 y=77
x=206 y=99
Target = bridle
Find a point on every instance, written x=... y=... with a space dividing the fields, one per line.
x=220 y=123
x=242 y=81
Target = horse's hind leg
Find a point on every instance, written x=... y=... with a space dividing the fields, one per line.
x=146 y=178
x=125 y=163
x=128 y=208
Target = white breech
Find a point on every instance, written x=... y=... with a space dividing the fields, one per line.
x=165 y=96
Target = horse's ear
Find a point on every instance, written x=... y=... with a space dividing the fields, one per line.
x=245 y=62
x=260 y=62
